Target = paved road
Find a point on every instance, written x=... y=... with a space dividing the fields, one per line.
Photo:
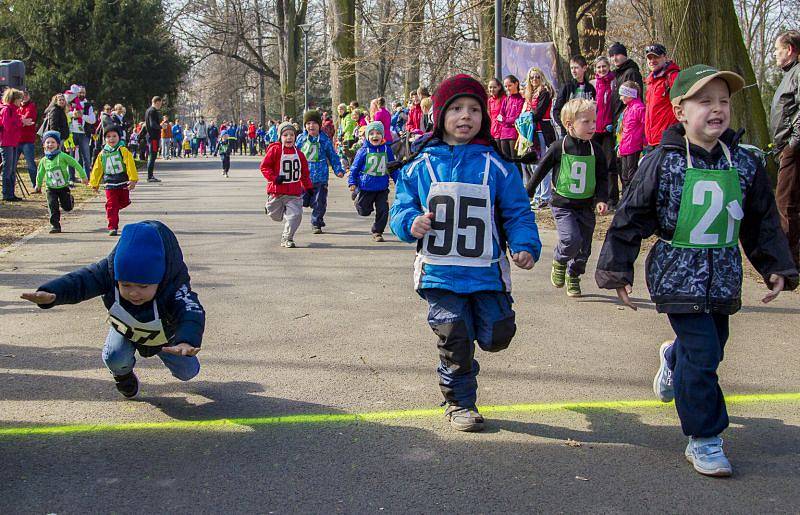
x=333 y=327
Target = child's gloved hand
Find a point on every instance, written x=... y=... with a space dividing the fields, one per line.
x=181 y=349
x=39 y=297
x=777 y=283
x=523 y=260
x=421 y=225
x=279 y=179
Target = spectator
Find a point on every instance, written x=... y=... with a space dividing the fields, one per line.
x=399 y=119
x=785 y=131
x=496 y=96
x=118 y=117
x=55 y=117
x=177 y=138
x=577 y=87
x=152 y=120
x=327 y=127
x=166 y=137
x=28 y=114
x=82 y=118
x=604 y=133
x=11 y=124
x=201 y=133
x=624 y=70
x=510 y=109
x=426 y=104
x=385 y=117
x=538 y=99
x=251 y=137
x=414 y=124
x=632 y=138
x=213 y=138
x=658 y=113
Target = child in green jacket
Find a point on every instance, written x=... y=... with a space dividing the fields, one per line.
x=54 y=172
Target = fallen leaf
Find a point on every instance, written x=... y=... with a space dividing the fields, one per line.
x=581 y=478
x=572 y=443
x=312 y=357
x=301 y=316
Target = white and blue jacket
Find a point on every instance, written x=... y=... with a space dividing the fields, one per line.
x=319 y=170
x=366 y=182
x=514 y=225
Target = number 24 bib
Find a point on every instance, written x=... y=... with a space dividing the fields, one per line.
x=461 y=230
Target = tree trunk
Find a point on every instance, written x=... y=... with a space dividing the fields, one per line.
x=592 y=29
x=415 y=16
x=486 y=40
x=721 y=46
x=384 y=57
x=262 y=89
x=577 y=27
x=343 y=68
x=290 y=48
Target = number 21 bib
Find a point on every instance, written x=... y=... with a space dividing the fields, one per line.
x=461 y=230
x=711 y=207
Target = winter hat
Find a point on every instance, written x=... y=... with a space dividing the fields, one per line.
x=691 y=80
x=374 y=126
x=139 y=256
x=617 y=48
x=312 y=116
x=52 y=134
x=458 y=86
x=286 y=126
x=113 y=128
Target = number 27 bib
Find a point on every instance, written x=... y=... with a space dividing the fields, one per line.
x=461 y=230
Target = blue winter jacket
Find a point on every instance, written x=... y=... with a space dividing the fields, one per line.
x=272 y=134
x=370 y=182
x=178 y=306
x=319 y=169
x=514 y=222
x=177 y=133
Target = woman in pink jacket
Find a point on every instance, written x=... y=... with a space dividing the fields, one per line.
x=496 y=96
x=604 y=134
x=385 y=117
x=510 y=109
x=632 y=140
x=10 y=131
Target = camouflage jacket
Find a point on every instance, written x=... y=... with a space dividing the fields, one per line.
x=686 y=280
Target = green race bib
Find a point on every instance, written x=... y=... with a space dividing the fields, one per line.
x=311 y=151
x=711 y=207
x=576 y=175
x=375 y=164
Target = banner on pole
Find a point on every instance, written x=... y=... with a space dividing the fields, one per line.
x=521 y=56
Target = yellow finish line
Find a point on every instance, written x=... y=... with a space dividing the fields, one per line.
x=350 y=418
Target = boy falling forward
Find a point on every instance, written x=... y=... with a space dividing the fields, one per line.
x=115 y=168
x=464 y=207
x=54 y=172
x=580 y=185
x=702 y=195
x=369 y=177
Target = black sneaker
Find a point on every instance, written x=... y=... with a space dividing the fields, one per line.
x=55 y=229
x=128 y=385
x=464 y=419
x=153 y=179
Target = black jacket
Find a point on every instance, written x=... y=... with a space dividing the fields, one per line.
x=693 y=280
x=552 y=162
x=784 y=118
x=55 y=119
x=546 y=126
x=152 y=122
x=628 y=71
x=567 y=93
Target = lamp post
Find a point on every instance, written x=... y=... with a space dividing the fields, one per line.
x=498 y=39
x=305 y=27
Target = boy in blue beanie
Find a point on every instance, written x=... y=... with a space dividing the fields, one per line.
x=54 y=172
x=369 y=178
x=152 y=309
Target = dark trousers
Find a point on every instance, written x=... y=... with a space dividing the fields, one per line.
x=226 y=162
x=575 y=228
x=460 y=320
x=151 y=158
x=507 y=147
x=56 y=197
x=379 y=200
x=628 y=166
x=606 y=142
x=9 y=157
x=694 y=358
x=787 y=196
x=317 y=200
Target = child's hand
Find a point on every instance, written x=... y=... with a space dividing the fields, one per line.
x=340 y=175
x=131 y=185
x=39 y=297
x=84 y=181
x=623 y=294
x=352 y=187
x=95 y=189
x=182 y=349
x=777 y=286
x=602 y=208
x=523 y=260
x=421 y=225
x=37 y=189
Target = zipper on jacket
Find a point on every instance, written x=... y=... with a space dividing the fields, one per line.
x=709 y=254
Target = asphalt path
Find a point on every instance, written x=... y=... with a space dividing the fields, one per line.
x=298 y=339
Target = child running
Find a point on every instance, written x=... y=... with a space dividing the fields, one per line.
x=464 y=207
x=226 y=141
x=369 y=178
x=54 y=172
x=152 y=309
x=318 y=149
x=580 y=185
x=286 y=170
x=115 y=168
x=702 y=195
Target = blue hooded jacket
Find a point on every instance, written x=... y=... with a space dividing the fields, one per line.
x=370 y=182
x=177 y=133
x=319 y=169
x=515 y=224
x=180 y=310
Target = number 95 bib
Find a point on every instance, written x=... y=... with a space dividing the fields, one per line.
x=461 y=230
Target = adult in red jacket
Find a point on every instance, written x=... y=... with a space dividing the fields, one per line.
x=251 y=137
x=10 y=129
x=414 y=124
x=27 y=138
x=658 y=114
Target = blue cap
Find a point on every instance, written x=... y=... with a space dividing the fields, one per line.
x=139 y=257
x=52 y=134
x=374 y=126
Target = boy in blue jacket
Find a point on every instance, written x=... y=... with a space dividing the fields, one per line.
x=464 y=207
x=369 y=178
x=702 y=195
x=152 y=309
x=318 y=149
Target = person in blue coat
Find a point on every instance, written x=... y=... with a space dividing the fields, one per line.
x=318 y=149
x=152 y=309
x=177 y=139
x=465 y=208
x=369 y=178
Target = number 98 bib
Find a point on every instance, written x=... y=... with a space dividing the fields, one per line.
x=290 y=167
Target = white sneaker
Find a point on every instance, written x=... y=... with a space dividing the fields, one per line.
x=662 y=383
x=707 y=457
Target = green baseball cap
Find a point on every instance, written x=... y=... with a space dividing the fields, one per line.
x=692 y=79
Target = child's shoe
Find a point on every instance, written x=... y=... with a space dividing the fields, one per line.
x=464 y=419
x=707 y=456
x=55 y=229
x=316 y=230
x=378 y=237
x=557 y=274
x=662 y=384
x=128 y=385
x=112 y=232
x=290 y=244
x=573 y=286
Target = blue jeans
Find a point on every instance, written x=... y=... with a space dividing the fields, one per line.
x=9 y=156
x=119 y=357
x=84 y=155
x=694 y=358
x=459 y=320
x=317 y=200
x=26 y=149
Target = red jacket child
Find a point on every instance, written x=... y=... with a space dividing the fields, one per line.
x=284 y=176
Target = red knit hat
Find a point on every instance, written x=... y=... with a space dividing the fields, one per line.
x=458 y=86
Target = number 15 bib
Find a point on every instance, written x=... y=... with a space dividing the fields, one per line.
x=711 y=207
x=461 y=230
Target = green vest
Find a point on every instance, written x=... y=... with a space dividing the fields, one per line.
x=56 y=171
x=114 y=173
x=711 y=207
x=576 y=175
